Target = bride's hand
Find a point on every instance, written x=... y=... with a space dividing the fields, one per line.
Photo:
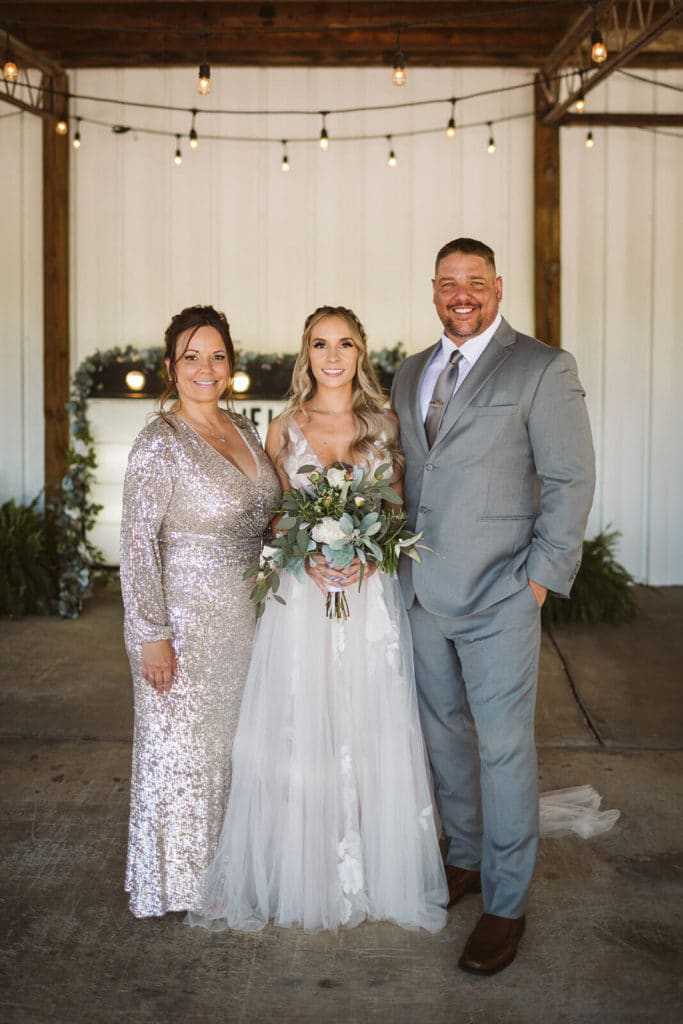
x=351 y=575
x=325 y=576
x=321 y=574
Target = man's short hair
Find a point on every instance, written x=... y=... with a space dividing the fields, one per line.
x=471 y=246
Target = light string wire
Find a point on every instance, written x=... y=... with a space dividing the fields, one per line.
x=309 y=112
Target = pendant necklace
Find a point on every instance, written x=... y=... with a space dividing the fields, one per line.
x=207 y=430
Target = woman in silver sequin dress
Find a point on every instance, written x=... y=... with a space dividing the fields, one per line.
x=330 y=818
x=197 y=499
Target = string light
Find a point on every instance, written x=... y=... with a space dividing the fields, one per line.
x=491 y=148
x=590 y=141
x=194 y=138
x=178 y=156
x=77 y=137
x=580 y=104
x=398 y=74
x=10 y=71
x=450 y=130
x=324 y=139
x=204 y=80
x=62 y=126
x=391 y=160
x=598 y=48
x=204 y=73
x=285 y=159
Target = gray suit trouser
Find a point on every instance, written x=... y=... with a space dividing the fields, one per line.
x=476 y=681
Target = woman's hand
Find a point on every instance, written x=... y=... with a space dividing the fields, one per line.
x=159 y=665
x=324 y=576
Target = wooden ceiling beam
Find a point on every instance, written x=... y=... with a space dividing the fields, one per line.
x=435 y=33
x=27 y=92
x=627 y=34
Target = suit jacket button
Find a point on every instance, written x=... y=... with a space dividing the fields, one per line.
x=423 y=508
x=429 y=466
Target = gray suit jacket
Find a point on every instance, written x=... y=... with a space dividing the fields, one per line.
x=504 y=494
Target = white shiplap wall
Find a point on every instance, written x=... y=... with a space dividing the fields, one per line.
x=622 y=302
x=229 y=228
x=21 y=306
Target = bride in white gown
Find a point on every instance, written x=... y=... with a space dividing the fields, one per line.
x=330 y=817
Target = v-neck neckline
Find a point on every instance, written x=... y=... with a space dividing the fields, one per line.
x=221 y=456
x=310 y=447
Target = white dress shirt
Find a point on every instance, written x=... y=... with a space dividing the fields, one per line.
x=470 y=351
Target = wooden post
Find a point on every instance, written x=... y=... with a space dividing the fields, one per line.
x=55 y=285
x=547 y=277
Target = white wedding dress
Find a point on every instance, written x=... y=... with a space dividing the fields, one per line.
x=330 y=819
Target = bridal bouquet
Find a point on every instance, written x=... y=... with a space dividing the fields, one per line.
x=341 y=516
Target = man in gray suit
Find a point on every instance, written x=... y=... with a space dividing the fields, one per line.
x=499 y=476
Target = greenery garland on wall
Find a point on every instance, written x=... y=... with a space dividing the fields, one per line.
x=73 y=512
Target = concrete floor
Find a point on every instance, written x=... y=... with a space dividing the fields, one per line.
x=603 y=939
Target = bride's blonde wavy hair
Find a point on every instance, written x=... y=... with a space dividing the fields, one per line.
x=375 y=431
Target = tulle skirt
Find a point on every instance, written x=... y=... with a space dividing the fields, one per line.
x=330 y=820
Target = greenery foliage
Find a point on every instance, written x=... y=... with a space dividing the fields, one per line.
x=27 y=577
x=73 y=512
x=602 y=590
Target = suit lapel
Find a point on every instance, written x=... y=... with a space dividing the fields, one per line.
x=493 y=356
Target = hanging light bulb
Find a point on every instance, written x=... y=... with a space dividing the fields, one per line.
x=62 y=126
x=450 y=130
x=204 y=80
x=398 y=74
x=324 y=139
x=580 y=104
x=598 y=48
x=204 y=73
x=491 y=148
x=10 y=71
x=77 y=137
x=285 y=159
x=194 y=138
x=391 y=160
x=590 y=141
x=178 y=157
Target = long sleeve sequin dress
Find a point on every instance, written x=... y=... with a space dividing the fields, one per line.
x=192 y=523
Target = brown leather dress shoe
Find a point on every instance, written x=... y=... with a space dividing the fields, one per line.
x=461 y=881
x=493 y=944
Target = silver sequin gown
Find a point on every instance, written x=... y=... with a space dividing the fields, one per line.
x=192 y=523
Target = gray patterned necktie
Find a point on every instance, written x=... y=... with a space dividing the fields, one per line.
x=441 y=396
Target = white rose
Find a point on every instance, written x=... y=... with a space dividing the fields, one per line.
x=267 y=551
x=79 y=447
x=336 y=477
x=327 y=531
